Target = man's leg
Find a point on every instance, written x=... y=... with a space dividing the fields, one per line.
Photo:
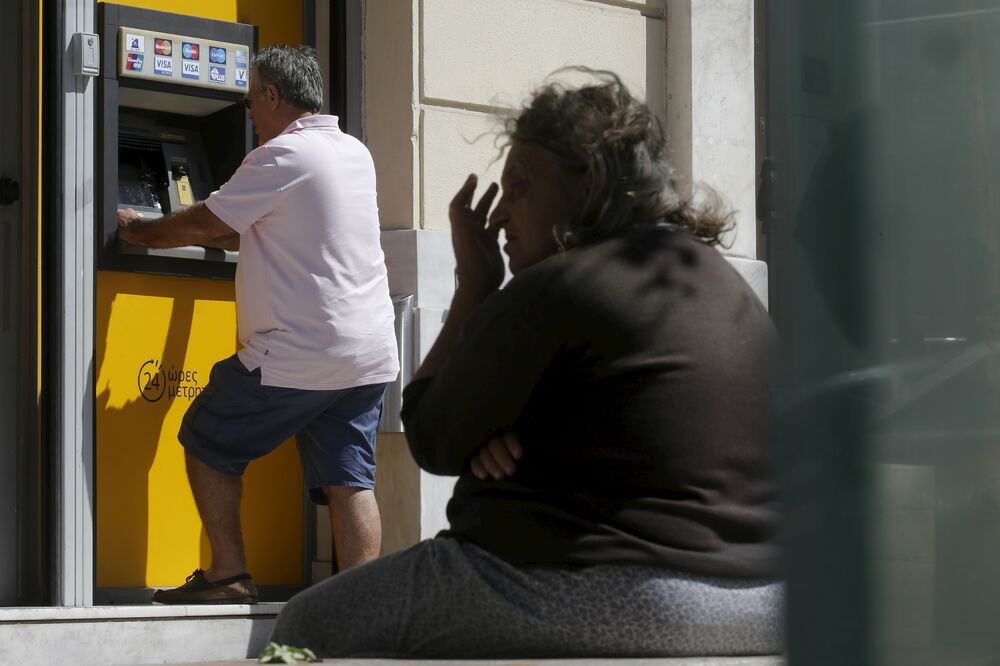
x=217 y=497
x=355 y=524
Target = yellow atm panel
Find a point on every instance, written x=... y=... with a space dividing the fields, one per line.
x=159 y=337
x=164 y=318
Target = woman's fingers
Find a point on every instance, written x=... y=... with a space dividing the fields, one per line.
x=463 y=198
x=483 y=207
x=478 y=470
x=503 y=458
x=490 y=464
x=513 y=444
x=461 y=203
x=498 y=458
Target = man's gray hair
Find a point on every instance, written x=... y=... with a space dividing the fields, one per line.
x=294 y=70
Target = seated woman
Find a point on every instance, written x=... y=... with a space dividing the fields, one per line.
x=605 y=411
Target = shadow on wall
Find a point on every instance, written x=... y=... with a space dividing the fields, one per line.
x=132 y=408
x=157 y=341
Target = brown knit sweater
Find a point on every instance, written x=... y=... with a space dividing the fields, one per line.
x=635 y=372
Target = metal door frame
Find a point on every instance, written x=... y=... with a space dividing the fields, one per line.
x=69 y=144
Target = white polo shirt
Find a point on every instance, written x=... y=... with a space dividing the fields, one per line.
x=312 y=295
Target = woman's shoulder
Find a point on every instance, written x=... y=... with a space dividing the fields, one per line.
x=650 y=254
x=638 y=248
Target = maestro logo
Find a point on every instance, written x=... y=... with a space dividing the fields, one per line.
x=190 y=51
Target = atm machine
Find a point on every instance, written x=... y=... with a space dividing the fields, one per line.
x=172 y=128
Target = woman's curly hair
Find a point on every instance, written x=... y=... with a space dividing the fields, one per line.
x=603 y=131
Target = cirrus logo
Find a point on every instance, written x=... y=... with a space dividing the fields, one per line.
x=190 y=51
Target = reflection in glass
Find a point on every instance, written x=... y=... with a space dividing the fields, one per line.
x=884 y=260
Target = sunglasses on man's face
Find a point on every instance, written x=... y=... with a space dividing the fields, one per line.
x=250 y=95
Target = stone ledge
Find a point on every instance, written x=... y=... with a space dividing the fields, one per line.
x=668 y=661
x=112 y=635
x=145 y=612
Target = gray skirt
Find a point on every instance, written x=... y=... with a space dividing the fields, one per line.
x=446 y=599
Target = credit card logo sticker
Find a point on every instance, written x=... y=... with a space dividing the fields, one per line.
x=163 y=47
x=163 y=66
x=240 y=78
x=241 y=59
x=133 y=62
x=217 y=54
x=191 y=70
x=217 y=74
x=135 y=43
x=190 y=51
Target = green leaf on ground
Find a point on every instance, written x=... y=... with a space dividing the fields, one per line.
x=285 y=654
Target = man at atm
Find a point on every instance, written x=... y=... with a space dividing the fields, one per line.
x=315 y=322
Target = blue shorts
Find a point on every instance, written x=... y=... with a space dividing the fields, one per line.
x=236 y=420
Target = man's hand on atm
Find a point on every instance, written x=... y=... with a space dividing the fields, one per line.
x=192 y=225
x=128 y=220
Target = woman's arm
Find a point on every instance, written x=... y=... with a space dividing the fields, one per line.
x=478 y=268
x=490 y=372
x=482 y=369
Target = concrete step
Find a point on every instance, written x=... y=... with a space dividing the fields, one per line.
x=116 y=635
x=209 y=636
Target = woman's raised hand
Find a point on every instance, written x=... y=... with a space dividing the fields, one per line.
x=478 y=264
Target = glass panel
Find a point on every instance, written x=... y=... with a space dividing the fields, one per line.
x=884 y=258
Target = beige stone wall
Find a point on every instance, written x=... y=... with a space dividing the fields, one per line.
x=710 y=107
x=389 y=100
x=438 y=71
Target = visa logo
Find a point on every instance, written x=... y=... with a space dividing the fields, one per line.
x=191 y=70
x=163 y=66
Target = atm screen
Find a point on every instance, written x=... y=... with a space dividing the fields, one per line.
x=140 y=178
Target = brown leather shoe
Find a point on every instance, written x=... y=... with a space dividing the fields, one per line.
x=199 y=590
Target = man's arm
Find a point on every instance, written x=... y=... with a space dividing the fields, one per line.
x=194 y=225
